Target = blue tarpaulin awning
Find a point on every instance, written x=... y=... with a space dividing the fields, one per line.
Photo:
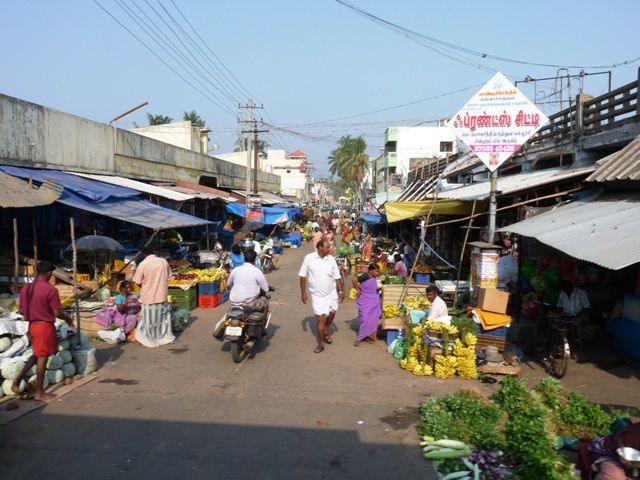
x=271 y=215
x=109 y=200
x=373 y=217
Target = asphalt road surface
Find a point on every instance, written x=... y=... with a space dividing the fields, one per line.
x=187 y=411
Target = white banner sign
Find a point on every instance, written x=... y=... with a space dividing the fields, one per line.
x=497 y=121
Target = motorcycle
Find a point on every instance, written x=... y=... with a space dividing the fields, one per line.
x=267 y=259
x=242 y=328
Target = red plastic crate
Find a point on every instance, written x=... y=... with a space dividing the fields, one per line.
x=208 y=301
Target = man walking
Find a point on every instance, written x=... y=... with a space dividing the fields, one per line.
x=154 y=326
x=325 y=287
x=40 y=305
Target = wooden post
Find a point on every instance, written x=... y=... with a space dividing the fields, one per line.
x=35 y=237
x=76 y=301
x=464 y=245
x=16 y=264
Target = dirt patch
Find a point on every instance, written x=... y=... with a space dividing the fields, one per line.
x=178 y=351
x=402 y=418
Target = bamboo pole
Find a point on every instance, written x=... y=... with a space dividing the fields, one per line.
x=464 y=245
x=76 y=301
x=16 y=261
x=35 y=237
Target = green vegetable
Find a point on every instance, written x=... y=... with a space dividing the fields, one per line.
x=456 y=475
x=446 y=443
x=45 y=382
x=63 y=344
x=6 y=387
x=447 y=453
x=12 y=368
x=66 y=356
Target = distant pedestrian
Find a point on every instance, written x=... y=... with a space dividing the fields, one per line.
x=154 y=327
x=325 y=286
x=40 y=306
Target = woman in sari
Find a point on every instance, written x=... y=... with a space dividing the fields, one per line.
x=367 y=250
x=124 y=314
x=368 y=303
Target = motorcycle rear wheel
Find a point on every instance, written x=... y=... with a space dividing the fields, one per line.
x=267 y=266
x=238 y=353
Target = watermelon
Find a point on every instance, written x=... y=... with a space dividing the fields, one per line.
x=54 y=362
x=5 y=343
x=69 y=370
x=63 y=345
x=55 y=376
x=45 y=383
x=11 y=368
x=66 y=356
x=6 y=387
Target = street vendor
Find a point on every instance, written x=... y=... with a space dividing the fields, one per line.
x=607 y=463
x=437 y=307
x=572 y=301
x=399 y=268
x=40 y=305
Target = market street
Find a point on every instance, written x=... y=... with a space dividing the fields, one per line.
x=187 y=410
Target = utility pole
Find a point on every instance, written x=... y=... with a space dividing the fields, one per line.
x=252 y=128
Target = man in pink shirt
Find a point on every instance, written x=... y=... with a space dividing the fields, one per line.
x=154 y=327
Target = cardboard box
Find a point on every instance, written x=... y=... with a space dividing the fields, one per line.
x=393 y=323
x=493 y=300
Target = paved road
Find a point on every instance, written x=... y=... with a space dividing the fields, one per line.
x=186 y=410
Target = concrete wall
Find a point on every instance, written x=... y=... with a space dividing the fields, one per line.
x=415 y=142
x=179 y=134
x=35 y=136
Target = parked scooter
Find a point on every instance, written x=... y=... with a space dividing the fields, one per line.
x=242 y=328
x=267 y=259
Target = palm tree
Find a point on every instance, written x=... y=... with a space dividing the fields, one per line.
x=158 y=119
x=194 y=118
x=349 y=160
x=241 y=145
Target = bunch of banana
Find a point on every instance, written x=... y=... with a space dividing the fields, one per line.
x=445 y=366
x=465 y=360
x=390 y=311
x=470 y=340
x=422 y=370
x=460 y=350
x=416 y=302
x=409 y=363
x=439 y=327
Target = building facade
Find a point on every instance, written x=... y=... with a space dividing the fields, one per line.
x=293 y=170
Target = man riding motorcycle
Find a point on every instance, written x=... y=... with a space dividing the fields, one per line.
x=247 y=284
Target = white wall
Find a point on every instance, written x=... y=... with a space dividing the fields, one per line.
x=179 y=134
x=416 y=142
x=293 y=182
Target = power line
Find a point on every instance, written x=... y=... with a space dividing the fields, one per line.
x=162 y=60
x=408 y=33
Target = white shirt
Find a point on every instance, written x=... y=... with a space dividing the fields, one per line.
x=437 y=309
x=321 y=274
x=246 y=281
x=574 y=304
x=315 y=225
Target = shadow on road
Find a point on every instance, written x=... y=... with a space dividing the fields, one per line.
x=113 y=447
x=310 y=324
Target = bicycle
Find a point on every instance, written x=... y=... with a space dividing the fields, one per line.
x=554 y=351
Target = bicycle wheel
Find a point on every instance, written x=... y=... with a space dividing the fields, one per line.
x=558 y=354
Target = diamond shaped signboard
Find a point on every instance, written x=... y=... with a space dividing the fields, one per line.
x=497 y=121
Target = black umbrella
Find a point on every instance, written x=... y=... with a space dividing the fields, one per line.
x=97 y=242
x=252 y=225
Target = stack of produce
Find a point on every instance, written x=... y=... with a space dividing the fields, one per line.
x=415 y=360
x=183 y=280
x=465 y=352
x=443 y=329
x=416 y=302
x=422 y=268
x=445 y=366
x=206 y=274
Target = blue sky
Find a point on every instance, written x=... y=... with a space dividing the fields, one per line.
x=307 y=60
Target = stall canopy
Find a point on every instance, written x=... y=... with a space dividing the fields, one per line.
x=16 y=193
x=397 y=211
x=112 y=201
x=137 y=185
x=271 y=215
x=374 y=218
x=605 y=231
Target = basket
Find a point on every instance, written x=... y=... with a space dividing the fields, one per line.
x=485 y=340
x=208 y=288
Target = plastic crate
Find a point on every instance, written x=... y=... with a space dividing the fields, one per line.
x=422 y=277
x=208 y=288
x=83 y=277
x=224 y=296
x=208 y=301
x=391 y=336
x=500 y=332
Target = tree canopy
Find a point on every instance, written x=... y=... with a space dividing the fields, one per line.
x=349 y=160
x=194 y=118
x=158 y=119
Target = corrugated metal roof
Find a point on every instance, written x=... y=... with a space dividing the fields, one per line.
x=622 y=165
x=418 y=190
x=196 y=193
x=462 y=164
x=137 y=185
x=16 y=193
x=515 y=183
x=604 y=231
x=267 y=197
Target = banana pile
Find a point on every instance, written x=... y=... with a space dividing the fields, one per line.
x=445 y=366
x=439 y=327
x=416 y=302
x=466 y=359
x=206 y=274
x=390 y=311
x=416 y=357
x=422 y=268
